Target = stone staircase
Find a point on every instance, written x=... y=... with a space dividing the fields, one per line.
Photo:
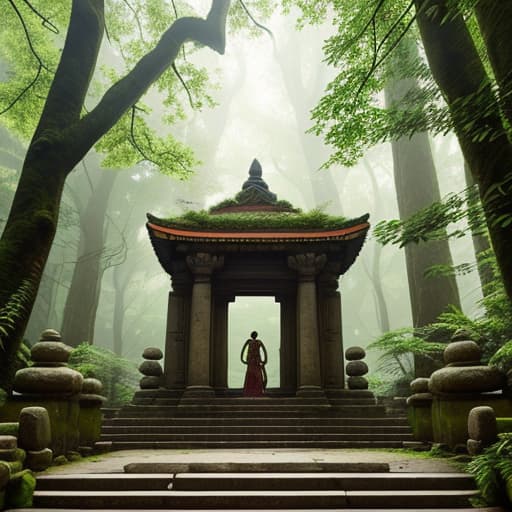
x=348 y=419
x=256 y=490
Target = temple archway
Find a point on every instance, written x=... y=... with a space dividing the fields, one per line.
x=246 y=314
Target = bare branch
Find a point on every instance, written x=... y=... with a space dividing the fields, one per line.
x=177 y=73
x=259 y=25
x=46 y=22
x=40 y=63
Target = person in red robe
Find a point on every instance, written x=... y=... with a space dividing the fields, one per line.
x=255 y=376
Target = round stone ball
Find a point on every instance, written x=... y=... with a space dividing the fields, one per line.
x=92 y=386
x=356 y=368
x=151 y=368
x=357 y=383
x=50 y=352
x=354 y=353
x=150 y=382
x=420 y=385
x=466 y=379
x=50 y=335
x=48 y=380
x=152 y=353
x=462 y=352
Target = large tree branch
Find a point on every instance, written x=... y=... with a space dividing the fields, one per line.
x=127 y=91
x=71 y=82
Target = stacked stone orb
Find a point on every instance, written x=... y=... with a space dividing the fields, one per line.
x=49 y=373
x=151 y=368
x=51 y=384
x=356 y=368
x=463 y=371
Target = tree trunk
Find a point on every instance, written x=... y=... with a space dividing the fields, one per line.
x=416 y=188
x=481 y=244
x=119 y=311
x=61 y=140
x=83 y=297
x=460 y=74
x=495 y=22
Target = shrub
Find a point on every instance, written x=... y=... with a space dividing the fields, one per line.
x=492 y=470
x=119 y=376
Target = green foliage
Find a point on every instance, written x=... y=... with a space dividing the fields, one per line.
x=119 y=376
x=375 y=47
x=398 y=349
x=502 y=359
x=434 y=221
x=260 y=221
x=384 y=385
x=492 y=470
x=14 y=308
x=239 y=201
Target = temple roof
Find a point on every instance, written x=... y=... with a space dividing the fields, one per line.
x=256 y=221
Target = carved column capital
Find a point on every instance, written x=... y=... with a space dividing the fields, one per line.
x=307 y=265
x=202 y=264
x=328 y=278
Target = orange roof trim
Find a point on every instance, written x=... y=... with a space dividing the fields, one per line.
x=345 y=233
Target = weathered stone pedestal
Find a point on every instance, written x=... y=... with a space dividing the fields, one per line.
x=49 y=383
x=89 y=421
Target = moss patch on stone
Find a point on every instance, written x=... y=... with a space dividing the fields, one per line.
x=20 y=490
x=258 y=221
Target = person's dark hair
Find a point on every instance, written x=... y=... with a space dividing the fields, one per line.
x=254 y=335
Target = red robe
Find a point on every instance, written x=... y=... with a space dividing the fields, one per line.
x=253 y=385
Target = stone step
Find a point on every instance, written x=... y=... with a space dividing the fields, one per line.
x=256 y=467
x=235 y=428
x=255 y=481
x=104 y=482
x=226 y=444
x=255 y=420
x=321 y=481
x=252 y=499
x=349 y=411
x=241 y=436
x=274 y=402
x=415 y=509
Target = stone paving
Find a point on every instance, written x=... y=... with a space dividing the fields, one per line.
x=114 y=462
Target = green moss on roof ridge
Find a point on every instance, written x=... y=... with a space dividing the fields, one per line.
x=313 y=220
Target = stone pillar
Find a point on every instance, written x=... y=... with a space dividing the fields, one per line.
x=288 y=345
x=202 y=266
x=220 y=344
x=178 y=319
x=310 y=379
x=331 y=336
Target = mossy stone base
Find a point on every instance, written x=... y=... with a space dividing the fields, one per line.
x=89 y=425
x=450 y=414
x=420 y=419
x=20 y=490
x=63 y=412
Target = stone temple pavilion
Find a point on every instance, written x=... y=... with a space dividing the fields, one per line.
x=255 y=245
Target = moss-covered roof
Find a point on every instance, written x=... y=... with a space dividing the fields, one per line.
x=314 y=220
